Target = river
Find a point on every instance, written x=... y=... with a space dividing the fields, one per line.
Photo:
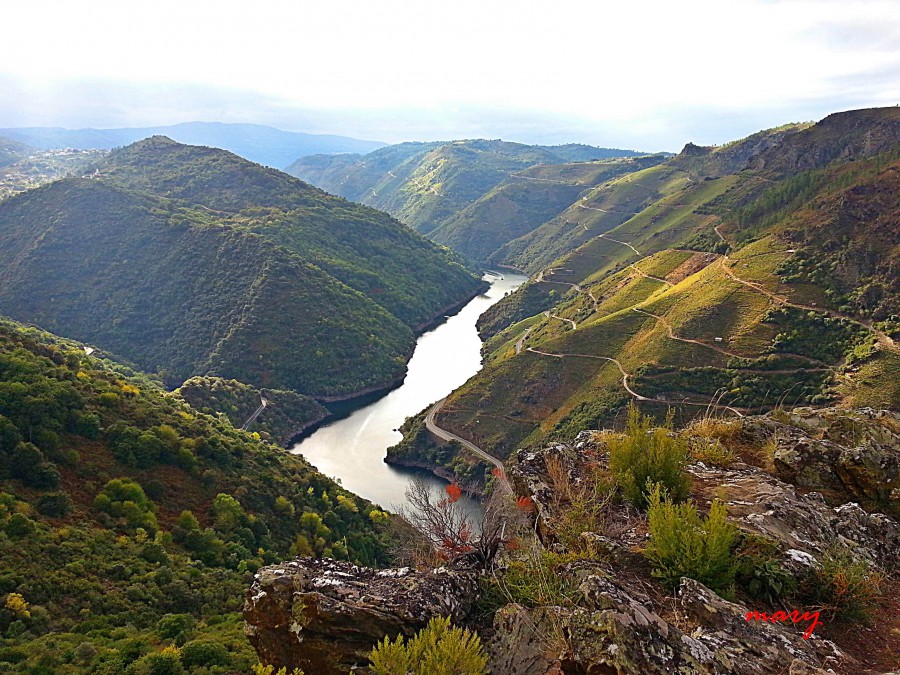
x=352 y=449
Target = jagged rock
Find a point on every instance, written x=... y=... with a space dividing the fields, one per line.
x=616 y=632
x=761 y=641
x=528 y=642
x=324 y=616
x=530 y=477
x=804 y=524
x=854 y=455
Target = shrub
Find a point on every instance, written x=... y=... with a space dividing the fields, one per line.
x=437 y=649
x=19 y=526
x=54 y=504
x=535 y=580
x=166 y=662
x=758 y=571
x=175 y=627
x=204 y=653
x=683 y=544
x=845 y=587
x=643 y=457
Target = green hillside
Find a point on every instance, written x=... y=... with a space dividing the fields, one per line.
x=725 y=295
x=12 y=151
x=192 y=261
x=526 y=200
x=130 y=521
x=425 y=184
x=285 y=416
x=614 y=201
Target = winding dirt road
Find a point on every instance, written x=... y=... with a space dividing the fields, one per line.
x=632 y=392
x=450 y=436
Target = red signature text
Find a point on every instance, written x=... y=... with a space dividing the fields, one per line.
x=794 y=617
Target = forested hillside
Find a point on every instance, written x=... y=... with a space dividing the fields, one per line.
x=427 y=184
x=130 y=521
x=193 y=261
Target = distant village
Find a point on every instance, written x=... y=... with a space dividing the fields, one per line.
x=43 y=167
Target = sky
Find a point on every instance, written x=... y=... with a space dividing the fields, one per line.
x=637 y=74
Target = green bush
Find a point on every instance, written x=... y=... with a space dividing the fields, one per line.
x=758 y=571
x=175 y=627
x=643 y=457
x=19 y=526
x=158 y=663
x=197 y=653
x=437 y=649
x=845 y=587
x=683 y=544
x=54 y=504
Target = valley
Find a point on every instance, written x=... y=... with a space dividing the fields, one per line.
x=175 y=316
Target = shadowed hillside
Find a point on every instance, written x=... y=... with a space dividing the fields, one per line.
x=193 y=261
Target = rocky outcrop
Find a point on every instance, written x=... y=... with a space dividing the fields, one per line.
x=852 y=454
x=617 y=631
x=855 y=134
x=324 y=616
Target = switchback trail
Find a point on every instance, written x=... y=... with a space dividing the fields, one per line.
x=449 y=436
x=632 y=392
x=883 y=338
x=650 y=276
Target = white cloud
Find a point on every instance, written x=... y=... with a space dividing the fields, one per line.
x=622 y=65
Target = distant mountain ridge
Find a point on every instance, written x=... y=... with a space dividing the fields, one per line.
x=259 y=143
x=12 y=151
x=427 y=184
x=193 y=261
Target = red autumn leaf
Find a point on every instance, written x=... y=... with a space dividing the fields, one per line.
x=525 y=504
x=454 y=491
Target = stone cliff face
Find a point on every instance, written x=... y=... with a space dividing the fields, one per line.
x=834 y=482
x=324 y=616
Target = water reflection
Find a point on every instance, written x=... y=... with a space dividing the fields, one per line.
x=352 y=449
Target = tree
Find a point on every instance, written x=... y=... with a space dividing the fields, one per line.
x=450 y=530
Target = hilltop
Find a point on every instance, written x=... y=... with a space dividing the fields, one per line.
x=193 y=261
x=427 y=184
x=258 y=143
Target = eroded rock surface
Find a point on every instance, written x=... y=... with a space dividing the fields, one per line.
x=324 y=616
x=615 y=632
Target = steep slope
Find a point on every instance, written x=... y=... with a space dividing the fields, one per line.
x=12 y=151
x=120 y=504
x=727 y=295
x=193 y=261
x=526 y=200
x=613 y=202
x=258 y=143
x=424 y=184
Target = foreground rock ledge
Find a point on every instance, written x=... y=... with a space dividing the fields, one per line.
x=324 y=616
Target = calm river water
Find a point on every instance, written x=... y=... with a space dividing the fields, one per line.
x=352 y=449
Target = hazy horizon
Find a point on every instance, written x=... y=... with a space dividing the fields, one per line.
x=642 y=75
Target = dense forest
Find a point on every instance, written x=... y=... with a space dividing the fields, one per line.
x=130 y=521
x=193 y=261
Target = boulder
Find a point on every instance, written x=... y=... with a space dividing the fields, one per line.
x=617 y=631
x=851 y=455
x=324 y=616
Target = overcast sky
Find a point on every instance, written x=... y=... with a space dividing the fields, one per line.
x=638 y=74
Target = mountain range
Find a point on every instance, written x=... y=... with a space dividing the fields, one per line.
x=193 y=261
x=261 y=144
x=726 y=280
x=426 y=185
